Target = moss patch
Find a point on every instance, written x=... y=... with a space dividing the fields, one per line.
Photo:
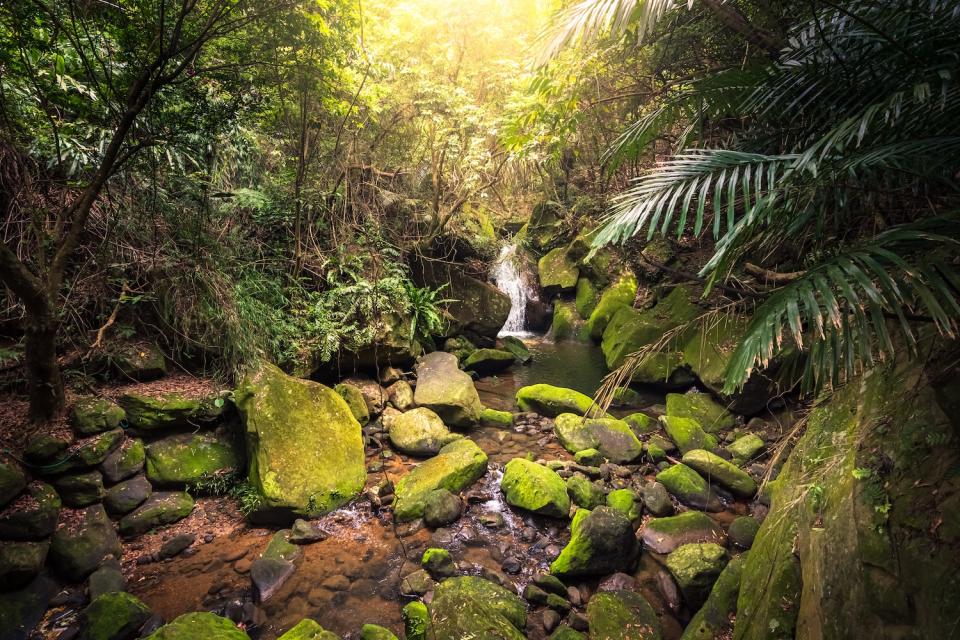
x=114 y=616
x=551 y=401
x=711 y=416
x=193 y=626
x=617 y=296
x=535 y=488
x=457 y=466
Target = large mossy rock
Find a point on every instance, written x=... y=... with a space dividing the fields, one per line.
x=714 y=468
x=545 y=226
x=714 y=619
x=712 y=417
x=308 y=629
x=663 y=535
x=33 y=516
x=12 y=481
x=21 y=562
x=584 y=493
x=487 y=362
x=587 y=297
x=478 y=309
x=304 y=447
x=124 y=461
x=471 y=607
x=114 y=616
x=446 y=390
x=535 y=488
x=194 y=626
x=557 y=271
x=159 y=509
x=141 y=361
x=420 y=432
x=186 y=459
x=602 y=541
x=687 y=434
x=169 y=411
x=613 y=438
x=689 y=487
x=696 y=567
x=745 y=448
x=353 y=396
x=80 y=489
x=551 y=401
x=619 y=295
x=622 y=615
x=567 y=324
x=91 y=415
x=85 y=453
x=124 y=497
x=457 y=466
x=82 y=542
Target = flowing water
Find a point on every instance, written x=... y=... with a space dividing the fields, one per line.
x=510 y=277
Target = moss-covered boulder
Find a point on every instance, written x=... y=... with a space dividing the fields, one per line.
x=308 y=629
x=742 y=532
x=695 y=567
x=169 y=410
x=81 y=543
x=689 y=487
x=448 y=391
x=587 y=297
x=457 y=466
x=124 y=461
x=125 y=496
x=663 y=535
x=420 y=432
x=416 y=621
x=535 y=488
x=376 y=632
x=551 y=401
x=622 y=615
x=471 y=607
x=519 y=350
x=85 y=453
x=159 y=509
x=640 y=423
x=32 y=516
x=557 y=271
x=617 y=296
x=46 y=449
x=12 y=481
x=21 y=562
x=687 y=434
x=114 y=616
x=353 y=396
x=711 y=416
x=626 y=502
x=745 y=448
x=304 y=447
x=80 y=489
x=714 y=619
x=91 y=415
x=566 y=323
x=589 y=457
x=486 y=362
x=186 y=459
x=584 y=493
x=193 y=626
x=613 y=438
x=459 y=346
x=496 y=418
x=141 y=361
x=716 y=469
x=602 y=541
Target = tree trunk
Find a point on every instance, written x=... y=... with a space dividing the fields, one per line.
x=44 y=382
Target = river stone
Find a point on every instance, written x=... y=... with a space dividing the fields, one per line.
x=169 y=410
x=519 y=350
x=416 y=621
x=745 y=448
x=305 y=532
x=12 y=481
x=714 y=619
x=80 y=490
x=712 y=417
x=126 y=496
x=376 y=632
x=308 y=629
x=641 y=423
x=696 y=567
x=124 y=461
x=193 y=626
x=656 y=500
x=584 y=493
x=32 y=516
x=566 y=323
x=622 y=615
x=401 y=395
x=624 y=501
x=743 y=531
x=90 y=452
x=716 y=469
x=557 y=272
x=687 y=434
x=420 y=432
x=535 y=488
x=441 y=508
x=487 y=362
x=186 y=459
x=449 y=392
x=373 y=394
x=589 y=457
x=457 y=466
x=91 y=415
x=496 y=418
x=159 y=509
x=305 y=448
x=21 y=562
x=108 y=578
x=438 y=563
x=114 y=616
x=689 y=487
x=551 y=401
x=602 y=541
x=268 y=575
x=81 y=543
x=470 y=606
x=417 y=583
x=663 y=535
x=618 y=295
x=354 y=399
x=611 y=437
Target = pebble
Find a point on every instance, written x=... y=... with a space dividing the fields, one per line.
x=550 y=620
x=511 y=565
x=573 y=595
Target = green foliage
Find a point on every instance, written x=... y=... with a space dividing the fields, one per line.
x=248 y=498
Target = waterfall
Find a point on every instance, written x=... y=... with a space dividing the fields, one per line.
x=508 y=277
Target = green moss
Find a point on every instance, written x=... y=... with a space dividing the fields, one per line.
x=34 y=520
x=469 y=606
x=708 y=350
x=416 y=621
x=535 y=488
x=20 y=562
x=587 y=297
x=193 y=626
x=557 y=271
x=689 y=487
x=78 y=547
x=457 y=466
x=94 y=415
x=584 y=493
x=743 y=531
x=308 y=629
x=617 y=296
x=687 y=434
x=696 y=567
x=186 y=459
x=551 y=401
x=545 y=225
x=114 y=616
x=280 y=548
x=624 y=501
x=488 y=361
x=516 y=346
x=563 y=632
x=611 y=437
x=745 y=448
x=713 y=620
x=444 y=388
x=353 y=396
x=420 y=432
x=157 y=510
x=566 y=324
x=496 y=418
x=81 y=489
x=641 y=423
x=589 y=457
x=459 y=346
x=167 y=411
x=626 y=397
x=93 y=450
x=711 y=416
x=601 y=541
x=663 y=535
x=376 y=632
x=622 y=615
x=714 y=468
x=124 y=461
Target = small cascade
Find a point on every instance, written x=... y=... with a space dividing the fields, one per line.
x=509 y=278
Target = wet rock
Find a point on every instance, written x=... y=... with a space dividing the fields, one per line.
x=417 y=583
x=114 y=616
x=551 y=584
x=712 y=417
x=290 y=427
x=304 y=532
x=160 y=508
x=663 y=535
x=441 y=508
x=696 y=567
x=557 y=271
x=177 y=544
x=617 y=582
x=743 y=531
x=550 y=619
x=124 y=461
x=126 y=496
x=192 y=626
x=589 y=457
x=438 y=563
x=21 y=562
x=491 y=520
x=400 y=394
x=625 y=501
x=640 y=423
x=108 y=578
x=687 y=434
x=612 y=438
x=602 y=541
x=573 y=595
x=569 y=633
x=584 y=493
x=486 y=362
x=519 y=350
x=512 y=565
x=669 y=590
x=550 y=401
x=713 y=620
x=91 y=415
x=714 y=468
x=470 y=605
x=420 y=432
x=446 y=390
x=80 y=490
x=656 y=500
x=80 y=545
x=353 y=396
x=745 y=448
x=187 y=459
x=268 y=575
x=577 y=621
x=534 y=594
x=169 y=411
x=457 y=466
x=622 y=615
x=416 y=621
x=535 y=488
x=496 y=418
x=689 y=487
x=33 y=516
